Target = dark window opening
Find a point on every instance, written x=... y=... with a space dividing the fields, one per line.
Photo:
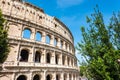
x=68 y=61
x=36 y=77
x=65 y=77
x=57 y=77
x=24 y=55
x=56 y=59
x=63 y=60
x=37 y=57
x=70 y=77
x=48 y=57
x=22 y=77
x=48 y=77
x=61 y=44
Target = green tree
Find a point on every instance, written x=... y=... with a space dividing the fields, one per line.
x=101 y=47
x=4 y=48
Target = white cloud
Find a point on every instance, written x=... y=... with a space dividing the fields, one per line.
x=68 y=3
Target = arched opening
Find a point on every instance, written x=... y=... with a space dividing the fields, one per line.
x=56 y=58
x=57 y=77
x=71 y=62
x=36 y=77
x=22 y=77
x=55 y=42
x=68 y=60
x=26 y=33
x=48 y=39
x=48 y=77
x=37 y=56
x=38 y=36
x=70 y=77
x=65 y=76
x=61 y=44
x=48 y=57
x=66 y=46
x=63 y=60
x=24 y=56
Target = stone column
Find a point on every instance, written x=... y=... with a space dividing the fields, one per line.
x=66 y=61
x=75 y=77
x=18 y=53
x=67 y=47
x=63 y=44
x=33 y=35
x=43 y=37
x=52 y=40
x=60 y=59
x=43 y=56
x=62 y=76
x=67 y=76
x=13 y=76
x=31 y=55
x=30 y=76
x=44 y=76
x=53 y=57
x=54 y=76
x=72 y=77
x=58 y=43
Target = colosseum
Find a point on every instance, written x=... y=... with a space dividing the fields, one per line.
x=41 y=46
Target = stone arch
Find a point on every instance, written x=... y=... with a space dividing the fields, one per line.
x=21 y=77
x=24 y=55
x=63 y=60
x=56 y=58
x=55 y=41
x=38 y=36
x=48 y=39
x=57 y=76
x=49 y=77
x=68 y=59
x=37 y=56
x=65 y=76
x=70 y=77
x=37 y=77
x=71 y=62
x=27 y=33
x=61 y=44
x=66 y=46
x=48 y=57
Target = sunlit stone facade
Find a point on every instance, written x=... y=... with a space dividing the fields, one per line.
x=41 y=46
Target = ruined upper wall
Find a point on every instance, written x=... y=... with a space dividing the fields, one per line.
x=22 y=10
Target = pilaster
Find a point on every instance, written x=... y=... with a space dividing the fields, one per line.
x=43 y=37
x=52 y=40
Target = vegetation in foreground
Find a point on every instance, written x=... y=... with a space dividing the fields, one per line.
x=100 y=47
x=4 y=48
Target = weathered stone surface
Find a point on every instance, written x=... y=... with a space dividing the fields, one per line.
x=30 y=58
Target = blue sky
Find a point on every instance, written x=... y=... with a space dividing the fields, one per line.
x=73 y=12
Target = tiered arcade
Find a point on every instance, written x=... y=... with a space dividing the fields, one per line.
x=41 y=46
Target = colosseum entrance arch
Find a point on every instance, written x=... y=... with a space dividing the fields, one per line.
x=22 y=77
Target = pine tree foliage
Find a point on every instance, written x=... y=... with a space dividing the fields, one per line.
x=101 y=47
x=4 y=48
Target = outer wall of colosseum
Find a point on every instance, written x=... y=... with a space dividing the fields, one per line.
x=41 y=46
